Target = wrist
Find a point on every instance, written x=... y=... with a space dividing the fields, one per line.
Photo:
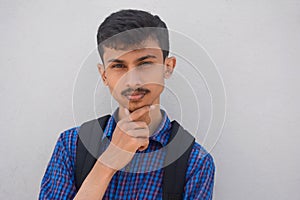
x=105 y=170
x=114 y=158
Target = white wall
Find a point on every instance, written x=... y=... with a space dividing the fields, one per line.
x=255 y=45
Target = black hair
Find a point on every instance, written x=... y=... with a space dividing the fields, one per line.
x=142 y=25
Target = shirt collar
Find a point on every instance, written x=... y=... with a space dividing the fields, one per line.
x=161 y=134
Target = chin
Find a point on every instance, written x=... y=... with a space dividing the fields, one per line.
x=134 y=105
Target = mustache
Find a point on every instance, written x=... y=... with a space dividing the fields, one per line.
x=131 y=90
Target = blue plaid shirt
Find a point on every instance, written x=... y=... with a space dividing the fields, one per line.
x=59 y=179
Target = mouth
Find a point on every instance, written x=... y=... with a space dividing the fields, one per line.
x=135 y=96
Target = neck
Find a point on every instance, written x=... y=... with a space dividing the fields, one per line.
x=153 y=119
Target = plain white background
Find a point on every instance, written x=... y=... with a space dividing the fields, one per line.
x=255 y=45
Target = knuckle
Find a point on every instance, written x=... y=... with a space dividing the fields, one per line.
x=119 y=124
x=142 y=123
x=124 y=126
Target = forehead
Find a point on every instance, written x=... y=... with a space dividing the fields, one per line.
x=149 y=47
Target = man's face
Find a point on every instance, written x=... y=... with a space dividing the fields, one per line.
x=136 y=76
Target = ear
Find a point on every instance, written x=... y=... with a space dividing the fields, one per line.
x=170 y=64
x=102 y=72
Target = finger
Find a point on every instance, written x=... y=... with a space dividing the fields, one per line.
x=122 y=125
x=125 y=126
x=143 y=144
x=135 y=115
x=127 y=112
x=142 y=148
x=136 y=125
x=139 y=133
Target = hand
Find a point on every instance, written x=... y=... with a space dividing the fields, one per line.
x=129 y=136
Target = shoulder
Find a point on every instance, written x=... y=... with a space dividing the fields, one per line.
x=59 y=177
x=69 y=136
x=67 y=141
x=200 y=159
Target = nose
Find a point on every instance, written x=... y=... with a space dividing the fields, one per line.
x=133 y=78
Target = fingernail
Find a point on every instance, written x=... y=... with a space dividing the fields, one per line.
x=126 y=111
x=152 y=107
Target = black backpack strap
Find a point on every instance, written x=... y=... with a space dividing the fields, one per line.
x=174 y=173
x=90 y=135
x=88 y=146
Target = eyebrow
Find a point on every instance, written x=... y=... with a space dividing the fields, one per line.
x=115 y=60
x=145 y=57
x=137 y=60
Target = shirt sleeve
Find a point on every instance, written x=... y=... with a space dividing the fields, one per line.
x=201 y=183
x=58 y=181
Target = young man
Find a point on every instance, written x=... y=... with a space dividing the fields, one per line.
x=134 y=47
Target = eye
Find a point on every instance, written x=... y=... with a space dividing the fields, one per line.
x=145 y=64
x=118 y=66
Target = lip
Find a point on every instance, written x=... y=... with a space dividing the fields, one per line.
x=135 y=96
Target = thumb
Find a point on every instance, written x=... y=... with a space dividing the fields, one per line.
x=127 y=113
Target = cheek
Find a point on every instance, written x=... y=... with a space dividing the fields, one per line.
x=156 y=89
x=114 y=80
x=113 y=85
x=156 y=77
x=155 y=82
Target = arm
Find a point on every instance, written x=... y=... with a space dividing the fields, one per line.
x=200 y=184
x=129 y=136
x=58 y=181
x=96 y=183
